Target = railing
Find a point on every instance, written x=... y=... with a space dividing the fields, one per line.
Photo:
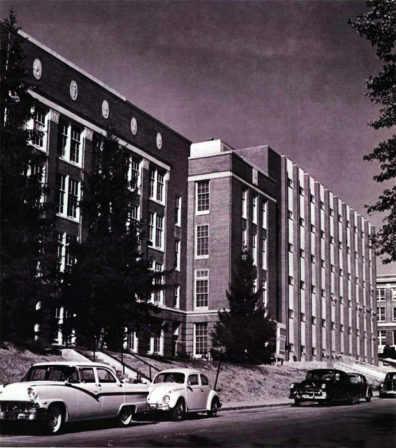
x=124 y=364
x=150 y=366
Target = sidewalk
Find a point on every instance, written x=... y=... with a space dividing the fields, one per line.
x=233 y=405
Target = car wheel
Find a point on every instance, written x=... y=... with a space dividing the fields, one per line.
x=297 y=402
x=368 y=396
x=125 y=416
x=214 y=407
x=54 y=420
x=179 y=411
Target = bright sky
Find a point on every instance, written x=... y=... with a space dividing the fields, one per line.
x=288 y=73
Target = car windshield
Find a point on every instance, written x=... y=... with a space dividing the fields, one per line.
x=318 y=375
x=170 y=377
x=51 y=373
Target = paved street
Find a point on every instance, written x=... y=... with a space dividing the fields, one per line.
x=361 y=426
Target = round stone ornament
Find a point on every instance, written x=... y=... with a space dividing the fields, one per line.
x=133 y=126
x=105 y=109
x=159 y=140
x=37 y=69
x=73 y=90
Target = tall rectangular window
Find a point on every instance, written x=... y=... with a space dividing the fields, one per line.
x=39 y=127
x=381 y=337
x=158 y=293
x=72 y=205
x=244 y=203
x=202 y=196
x=159 y=240
x=381 y=314
x=69 y=258
x=201 y=288
x=254 y=248
x=160 y=186
x=151 y=224
x=176 y=297
x=178 y=205
x=254 y=209
x=244 y=239
x=75 y=144
x=60 y=192
x=62 y=137
x=177 y=255
x=151 y=183
x=134 y=173
x=202 y=240
x=201 y=339
x=264 y=215
x=263 y=252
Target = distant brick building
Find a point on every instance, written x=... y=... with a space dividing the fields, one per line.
x=386 y=311
x=202 y=204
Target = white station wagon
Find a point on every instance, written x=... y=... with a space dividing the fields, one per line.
x=56 y=393
x=181 y=391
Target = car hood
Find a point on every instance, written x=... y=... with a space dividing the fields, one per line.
x=18 y=391
x=157 y=391
x=306 y=384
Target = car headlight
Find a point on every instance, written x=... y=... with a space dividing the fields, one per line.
x=323 y=386
x=291 y=385
x=382 y=385
x=32 y=394
x=166 y=399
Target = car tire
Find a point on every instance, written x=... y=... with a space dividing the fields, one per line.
x=214 y=407
x=125 y=416
x=297 y=402
x=178 y=413
x=53 y=423
x=369 y=396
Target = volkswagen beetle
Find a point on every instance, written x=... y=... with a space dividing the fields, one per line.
x=183 y=391
x=56 y=393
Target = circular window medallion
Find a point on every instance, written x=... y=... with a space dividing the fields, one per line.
x=159 y=140
x=37 y=69
x=73 y=90
x=105 y=109
x=133 y=126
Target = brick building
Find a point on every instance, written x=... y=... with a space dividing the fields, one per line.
x=386 y=311
x=202 y=204
x=312 y=252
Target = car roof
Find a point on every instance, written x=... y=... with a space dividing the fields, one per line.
x=184 y=370
x=72 y=364
x=326 y=370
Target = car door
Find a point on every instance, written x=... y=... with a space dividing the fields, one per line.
x=193 y=392
x=111 y=392
x=89 y=397
x=205 y=390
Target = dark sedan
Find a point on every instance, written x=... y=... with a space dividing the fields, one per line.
x=364 y=389
x=325 y=386
x=388 y=387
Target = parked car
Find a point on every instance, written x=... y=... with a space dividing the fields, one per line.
x=182 y=391
x=364 y=389
x=325 y=386
x=55 y=393
x=388 y=387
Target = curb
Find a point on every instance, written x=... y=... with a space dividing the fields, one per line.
x=253 y=406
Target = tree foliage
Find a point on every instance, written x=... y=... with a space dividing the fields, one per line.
x=378 y=25
x=243 y=330
x=110 y=284
x=27 y=259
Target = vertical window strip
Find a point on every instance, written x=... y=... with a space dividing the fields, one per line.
x=202 y=240
x=201 y=338
x=202 y=189
x=202 y=288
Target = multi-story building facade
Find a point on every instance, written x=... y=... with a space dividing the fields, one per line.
x=202 y=204
x=386 y=311
x=74 y=110
x=315 y=264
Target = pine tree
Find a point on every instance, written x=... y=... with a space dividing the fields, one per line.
x=27 y=266
x=379 y=27
x=110 y=284
x=244 y=330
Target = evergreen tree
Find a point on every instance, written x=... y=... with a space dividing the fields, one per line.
x=110 y=284
x=378 y=25
x=244 y=331
x=27 y=266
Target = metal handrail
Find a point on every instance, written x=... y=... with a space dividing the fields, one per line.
x=124 y=364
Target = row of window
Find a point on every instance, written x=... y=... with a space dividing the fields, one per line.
x=381 y=294
x=382 y=337
x=381 y=314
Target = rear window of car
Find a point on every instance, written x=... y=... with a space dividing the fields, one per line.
x=87 y=375
x=105 y=376
x=204 y=380
x=169 y=377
